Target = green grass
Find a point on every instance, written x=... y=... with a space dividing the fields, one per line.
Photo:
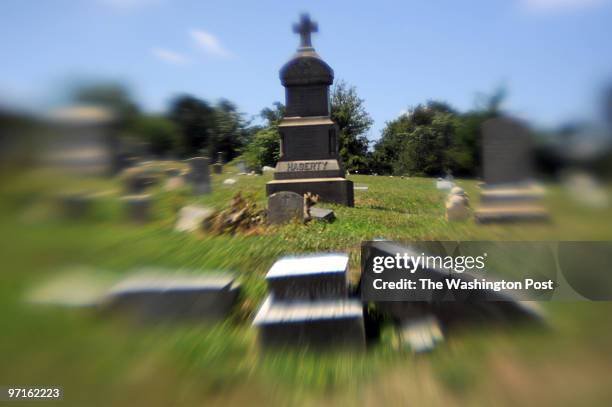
x=102 y=360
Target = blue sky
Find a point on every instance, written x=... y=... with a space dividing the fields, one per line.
x=554 y=56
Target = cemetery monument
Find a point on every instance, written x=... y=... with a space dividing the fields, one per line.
x=309 y=159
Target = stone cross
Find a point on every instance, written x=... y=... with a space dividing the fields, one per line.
x=305 y=27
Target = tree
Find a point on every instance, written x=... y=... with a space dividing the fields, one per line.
x=160 y=134
x=274 y=115
x=229 y=134
x=195 y=120
x=348 y=111
x=263 y=149
x=108 y=95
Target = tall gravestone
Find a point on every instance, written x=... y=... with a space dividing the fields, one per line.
x=509 y=193
x=309 y=159
x=199 y=175
x=506 y=152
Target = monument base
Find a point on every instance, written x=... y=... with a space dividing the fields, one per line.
x=334 y=190
x=518 y=203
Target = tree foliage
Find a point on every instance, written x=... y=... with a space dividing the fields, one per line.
x=348 y=111
x=160 y=134
x=432 y=139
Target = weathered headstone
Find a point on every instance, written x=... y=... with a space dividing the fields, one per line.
x=156 y=295
x=199 y=175
x=308 y=305
x=229 y=181
x=509 y=193
x=218 y=166
x=309 y=277
x=241 y=166
x=309 y=158
x=506 y=152
x=83 y=139
x=285 y=206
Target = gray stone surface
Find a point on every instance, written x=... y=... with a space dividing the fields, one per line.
x=309 y=305
x=309 y=158
x=508 y=194
x=199 y=175
x=191 y=217
x=421 y=334
x=159 y=294
x=506 y=151
x=322 y=214
x=285 y=207
x=323 y=324
x=309 y=277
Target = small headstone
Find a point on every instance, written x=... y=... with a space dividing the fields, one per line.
x=138 y=207
x=360 y=188
x=308 y=304
x=421 y=333
x=323 y=214
x=265 y=168
x=285 y=206
x=323 y=324
x=241 y=166
x=199 y=175
x=309 y=277
x=191 y=218
x=218 y=166
x=167 y=295
x=229 y=181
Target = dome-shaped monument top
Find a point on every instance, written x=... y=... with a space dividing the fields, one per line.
x=306 y=67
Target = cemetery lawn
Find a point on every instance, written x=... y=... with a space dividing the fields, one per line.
x=107 y=360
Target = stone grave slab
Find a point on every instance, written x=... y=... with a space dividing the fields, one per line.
x=284 y=207
x=322 y=214
x=162 y=294
x=309 y=277
x=199 y=175
x=421 y=334
x=323 y=324
x=191 y=217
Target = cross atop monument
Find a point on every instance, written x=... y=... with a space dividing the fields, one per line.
x=305 y=27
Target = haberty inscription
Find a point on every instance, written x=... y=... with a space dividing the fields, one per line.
x=307 y=166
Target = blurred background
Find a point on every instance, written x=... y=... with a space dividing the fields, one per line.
x=103 y=101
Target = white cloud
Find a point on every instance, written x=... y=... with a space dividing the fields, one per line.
x=559 y=5
x=128 y=4
x=169 y=56
x=209 y=43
